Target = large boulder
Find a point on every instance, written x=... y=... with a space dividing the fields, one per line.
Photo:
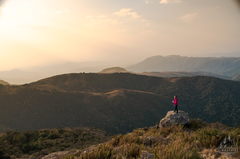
x=171 y=118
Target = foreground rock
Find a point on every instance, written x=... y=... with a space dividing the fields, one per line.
x=171 y=118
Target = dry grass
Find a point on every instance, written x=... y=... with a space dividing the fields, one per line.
x=193 y=141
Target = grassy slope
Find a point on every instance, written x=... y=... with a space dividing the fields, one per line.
x=43 y=142
x=117 y=103
x=116 y=112
x=197 y=140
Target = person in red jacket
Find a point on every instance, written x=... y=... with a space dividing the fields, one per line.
x=175 y=104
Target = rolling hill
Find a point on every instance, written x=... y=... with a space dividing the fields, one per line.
x=117 y=103
x=229 y=66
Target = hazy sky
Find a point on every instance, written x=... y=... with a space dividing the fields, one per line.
x=38 y=32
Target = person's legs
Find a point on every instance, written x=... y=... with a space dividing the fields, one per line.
x=177 y=108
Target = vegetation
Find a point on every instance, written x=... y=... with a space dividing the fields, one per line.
x=38 y=143
x=176 y=141
x=180 y=142
x=117 y=103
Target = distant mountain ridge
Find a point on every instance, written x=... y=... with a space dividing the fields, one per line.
x=229 y=66
x=165 y=74
x=18 y=76
x=184 y=74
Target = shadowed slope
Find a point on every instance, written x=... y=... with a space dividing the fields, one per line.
x=117 y=112
x=117 y=102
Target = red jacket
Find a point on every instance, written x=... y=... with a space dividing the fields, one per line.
x=175 y=101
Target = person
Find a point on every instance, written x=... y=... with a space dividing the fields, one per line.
x=175 y=104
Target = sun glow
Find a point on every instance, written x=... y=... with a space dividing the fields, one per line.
x=80 y=30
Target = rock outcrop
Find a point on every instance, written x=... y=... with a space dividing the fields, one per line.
x=171 y=118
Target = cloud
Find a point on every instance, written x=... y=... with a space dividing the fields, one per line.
x=127 y=12
x=170 y=1
x=189 y=17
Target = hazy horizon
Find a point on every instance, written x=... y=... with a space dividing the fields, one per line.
x=48 y=32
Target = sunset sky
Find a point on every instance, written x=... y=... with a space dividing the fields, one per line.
x=44 y=32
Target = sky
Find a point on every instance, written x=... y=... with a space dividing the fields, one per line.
x=45 y=32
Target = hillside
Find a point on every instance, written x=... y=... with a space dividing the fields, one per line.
x=117 y=103
x=183 y=74
x=197 y=140
x=114 y=70
x=229 y=66
x=4 y=83
x=39 y=143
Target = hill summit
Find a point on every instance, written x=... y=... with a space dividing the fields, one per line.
x=114 y=70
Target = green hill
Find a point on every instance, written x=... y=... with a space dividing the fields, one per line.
x=229 y=66
x=117 y=103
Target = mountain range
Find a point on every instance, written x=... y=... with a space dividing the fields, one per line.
x=22 y=76
x=117 y=103
x=228 y=66
x=168 y=66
